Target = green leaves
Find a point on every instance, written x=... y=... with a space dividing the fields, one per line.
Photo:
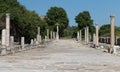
x=84 y=19
x=57 y=15
x=23 y=22
x=104 y=30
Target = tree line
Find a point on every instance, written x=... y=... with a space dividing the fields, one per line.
x=24 y=22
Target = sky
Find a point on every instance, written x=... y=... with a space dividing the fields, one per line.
x=100 y=10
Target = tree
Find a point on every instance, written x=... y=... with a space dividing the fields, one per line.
x=22 y=21
x=57 y=15
x=74 y=31
x=105 y=30
x=84 y=19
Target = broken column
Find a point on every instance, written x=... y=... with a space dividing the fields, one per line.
x=31 y=43
x=80 y=36
x=94 y=40
x=48 y=34
x=22 y=43
x=51 y=34
x=3 y=51
x=112 y=33
x=39 y=36
x=97 y=35
x=12 y=44
x=57 y=34
x=7 y=29
x=87 y=35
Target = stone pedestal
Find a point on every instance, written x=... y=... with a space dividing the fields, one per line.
x=97 y=35
x=112 y=33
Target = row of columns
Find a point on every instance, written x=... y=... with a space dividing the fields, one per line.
x=96 y=35
x=52 y=35
x=112 y=38
x=8 y=41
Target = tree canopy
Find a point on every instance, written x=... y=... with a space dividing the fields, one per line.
x=57 y=15
x=83 y=19
x=22 y=21
x=104 y=30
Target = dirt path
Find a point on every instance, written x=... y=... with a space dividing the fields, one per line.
x=61 y=56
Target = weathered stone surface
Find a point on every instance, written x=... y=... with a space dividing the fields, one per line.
x=3 y=49
x=23 y=42
x=78 y=36
x=97 y=37
x=7 y=29
x=61 y=56
x=112 y=32
x=3 y=37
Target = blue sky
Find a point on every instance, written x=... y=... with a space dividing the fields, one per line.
x=100 y=10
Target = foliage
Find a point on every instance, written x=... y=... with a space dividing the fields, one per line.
x=84 y=19
x=105 y=30
x=22 y=21
x=74 y=31
x=57 y=15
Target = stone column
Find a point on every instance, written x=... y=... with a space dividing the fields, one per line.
x=31 y=42
x=3 y=51
x=7 y=29
x=3 y=38
x=11 y=41
x=97 y=35
x=112 y=33
x=80 y=36
x=51 y=34
x=38 y=30
x=22 y=43
x=94 y=39
x=87 y=35
x=57 y=35
x=48 y=34
x=39 y=39
x=39 y=36
x=12 y=44
x=116 y=40
x=90 y=37
x=46 y=39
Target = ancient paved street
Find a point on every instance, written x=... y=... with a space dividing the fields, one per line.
x=61 y=56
